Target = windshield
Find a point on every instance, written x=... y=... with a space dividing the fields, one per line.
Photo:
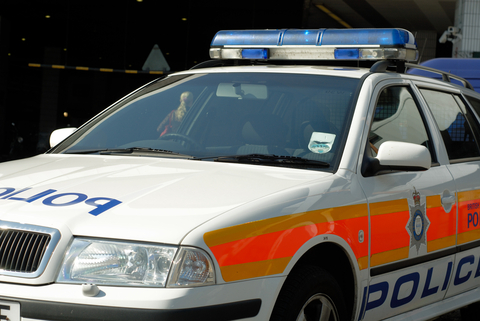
x=203 y=116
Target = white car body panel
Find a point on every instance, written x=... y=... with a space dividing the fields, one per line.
x=148 y=187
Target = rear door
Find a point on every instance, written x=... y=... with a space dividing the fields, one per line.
x=460 y=131
x=412 y=214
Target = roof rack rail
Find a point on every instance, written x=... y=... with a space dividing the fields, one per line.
x=446 y=76
x=381 y=66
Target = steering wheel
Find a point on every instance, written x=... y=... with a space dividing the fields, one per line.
x=181 y=137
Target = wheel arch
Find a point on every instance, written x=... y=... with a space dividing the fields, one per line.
x=341 y=268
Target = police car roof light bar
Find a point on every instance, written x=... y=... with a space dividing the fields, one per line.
x=315 y=44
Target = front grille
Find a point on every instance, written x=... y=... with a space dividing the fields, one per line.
x=25 y=249
x=22 y=251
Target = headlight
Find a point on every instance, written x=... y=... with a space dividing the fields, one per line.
x=134 y=264
x=192 y=267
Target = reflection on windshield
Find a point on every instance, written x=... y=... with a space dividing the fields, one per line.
x=211 y=115
x=175 y=117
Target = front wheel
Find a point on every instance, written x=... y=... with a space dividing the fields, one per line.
x=310 y=294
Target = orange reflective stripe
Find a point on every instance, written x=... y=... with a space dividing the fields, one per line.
x=268 y=246
x=388 y=221
x=388 y=231
x=271 y=243
x=443 y=226
x=390 y=239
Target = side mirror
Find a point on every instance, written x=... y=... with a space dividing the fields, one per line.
x=59 y=135
x=398 y=156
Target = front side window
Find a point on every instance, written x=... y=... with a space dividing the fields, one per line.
x=455 y=123
x=206 y=116
x=397 y=118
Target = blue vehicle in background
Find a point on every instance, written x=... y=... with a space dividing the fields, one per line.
x=467 y=68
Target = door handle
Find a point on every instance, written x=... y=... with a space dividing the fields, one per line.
x=448 y=200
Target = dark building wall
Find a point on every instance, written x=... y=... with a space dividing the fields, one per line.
x=4 y=42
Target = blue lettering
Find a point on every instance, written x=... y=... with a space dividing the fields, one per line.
x=447 y=276
x=472 y=218
x=459 y=280
x=80 y=198
x=101 y=207
x=17 y=192
x=426 y=290
x=382 y=287
x=472 y=206
x=8 y=190
x=101 y=204
x=34 y=197
x=477 y=274
x=412 y=277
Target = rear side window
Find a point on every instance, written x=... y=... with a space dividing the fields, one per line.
x=456 y=123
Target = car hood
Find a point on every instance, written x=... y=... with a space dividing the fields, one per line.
x=137 y=198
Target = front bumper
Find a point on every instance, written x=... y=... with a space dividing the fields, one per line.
x=44 y=310
x=246 y=300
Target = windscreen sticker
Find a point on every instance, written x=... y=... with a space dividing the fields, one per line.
x=321 y=143
x=100 y=204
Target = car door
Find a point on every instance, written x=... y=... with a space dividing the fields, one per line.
x=412 y=213
x=460 y=131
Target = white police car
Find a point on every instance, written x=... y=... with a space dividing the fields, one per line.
x=257 y=186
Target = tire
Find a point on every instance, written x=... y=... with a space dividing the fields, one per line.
x=310 y=294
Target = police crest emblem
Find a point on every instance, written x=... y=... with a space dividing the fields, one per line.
x=417 y=225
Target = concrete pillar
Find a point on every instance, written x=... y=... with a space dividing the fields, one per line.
x=466 y=39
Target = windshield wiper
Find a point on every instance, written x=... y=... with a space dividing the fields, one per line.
x=130 y=150
x=263 y=159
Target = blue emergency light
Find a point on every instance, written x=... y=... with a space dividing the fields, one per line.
x=315 y=44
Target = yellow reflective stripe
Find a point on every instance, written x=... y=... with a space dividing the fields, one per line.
x=389 y=256
x=468 y=196
x=362 y=262
x=58 y=67
x=106 y=69
x=131 y=71
x=254 y=269
x=389 y=207
x=434 y=201
x=277 y=224
x=469 y=236
x=81 y=68
x=442 y=243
